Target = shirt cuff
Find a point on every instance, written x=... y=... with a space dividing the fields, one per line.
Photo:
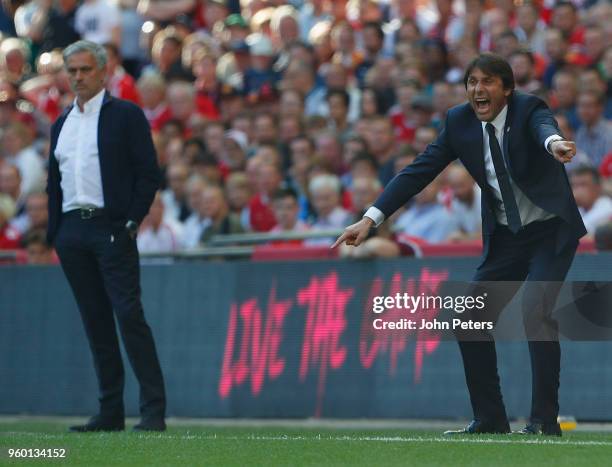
x=376 y=215
x=550 y=139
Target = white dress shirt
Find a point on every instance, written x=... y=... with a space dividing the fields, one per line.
x=528 y=211
x=77 y=154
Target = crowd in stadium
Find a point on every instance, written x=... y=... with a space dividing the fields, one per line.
x=280 y=116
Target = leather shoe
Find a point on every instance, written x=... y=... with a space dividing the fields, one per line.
x=482 y=427
x=99 y=423
x=546 y=429
x=150 y=424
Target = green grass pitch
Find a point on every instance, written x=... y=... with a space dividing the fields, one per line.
x=204 y=445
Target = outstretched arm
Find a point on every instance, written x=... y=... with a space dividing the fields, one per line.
x=407 y=183
x=545 y=130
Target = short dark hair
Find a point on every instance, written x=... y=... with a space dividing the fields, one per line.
x=341 y=93
x=586 y=170
x=491 y=64
x=366 y=157
x=284 y=192
x=565 y=3
x=524 y=53
x=377 y=28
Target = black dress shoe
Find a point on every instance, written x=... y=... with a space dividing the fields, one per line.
x=482 y=427
x=150 y=424
x=99 y=423
x=546 y=429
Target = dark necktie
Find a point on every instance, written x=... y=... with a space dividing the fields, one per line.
x=512 y=212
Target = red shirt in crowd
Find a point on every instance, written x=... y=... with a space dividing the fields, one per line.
x=261 y=216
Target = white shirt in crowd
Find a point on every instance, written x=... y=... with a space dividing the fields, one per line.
x=77 y=154
x=469 y=216
x=599 y=214
x=528 y=211
x=166 y=238
x=31 y=168
x=193 y=228
x=96 y=20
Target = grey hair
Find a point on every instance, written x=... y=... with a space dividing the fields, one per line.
x=98 y=51
x=324 y=181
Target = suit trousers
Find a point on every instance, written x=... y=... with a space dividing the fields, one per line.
x=529 y=255
x=100 y=261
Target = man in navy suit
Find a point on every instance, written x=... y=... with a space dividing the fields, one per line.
x=511 y=145
x=103 y=175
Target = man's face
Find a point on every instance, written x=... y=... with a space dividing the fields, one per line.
x=380 y=137
x=555 y=44
x=585 y=190
x=212 y=202
x=521 y=66
x=325 y=200
x=564 y=18
x=589 y=109
x=86 y=78
x=486 y=94
x=286 y=211
x=36 y=207
x=9 y=180
x=363 y=194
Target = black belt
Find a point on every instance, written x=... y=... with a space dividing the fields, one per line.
x=87 y=213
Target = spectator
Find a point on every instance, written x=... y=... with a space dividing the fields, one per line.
x=152 y=89
x=595 y=207
x=238 y=193
x=36 y=214
x=301 y=77
x=338 y=101
x=556 y=50
x=235 y=144
x=565 y=91
x=38 y=251
x=99 y=21
x=268 y=182
x=465 y=203
x=174 y=198
x=381 y=144
x=221 y=220
x=159 y=232
x=401 y=114
x=286 y=210
x=424 y=136
x=15 y=59
x=530 y=30
x=9 y=237
x=197 y=222
x=120 y=84
x=594 y=136
x=523 y=66
x=426 y=218
x=18 y=150
x=10 y=184
x=325 y=191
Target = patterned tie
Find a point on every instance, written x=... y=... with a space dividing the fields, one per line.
x=512 y=212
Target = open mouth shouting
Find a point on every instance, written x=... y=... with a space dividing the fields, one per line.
x=482 y=105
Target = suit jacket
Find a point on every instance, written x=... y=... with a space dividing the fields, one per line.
x=536 y=172
x=128 y=164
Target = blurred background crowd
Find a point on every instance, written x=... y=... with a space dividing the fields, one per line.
x=272 y=116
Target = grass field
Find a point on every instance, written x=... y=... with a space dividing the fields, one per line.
x=199 y=445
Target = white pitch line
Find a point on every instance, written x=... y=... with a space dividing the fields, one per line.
x=386 y=439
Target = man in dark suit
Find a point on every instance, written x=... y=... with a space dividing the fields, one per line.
x=103 y=175
x=511 y=145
